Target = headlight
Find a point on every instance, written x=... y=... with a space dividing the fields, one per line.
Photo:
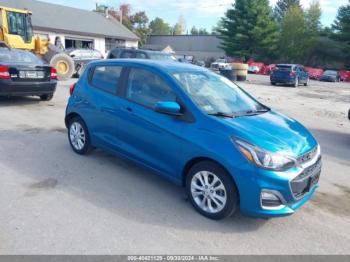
x=265 y=159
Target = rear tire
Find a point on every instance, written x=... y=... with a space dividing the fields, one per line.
x=78 y=136
x=273 y=83
x=47 y=97
x=211 y=190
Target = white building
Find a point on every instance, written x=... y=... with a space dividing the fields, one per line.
x=75 y=27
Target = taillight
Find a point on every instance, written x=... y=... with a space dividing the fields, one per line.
x=71 y=89
x=292 y=74
x=53 y=73
x=4 y=72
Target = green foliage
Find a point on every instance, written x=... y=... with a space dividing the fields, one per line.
x=293 y=35
x=159 y=27
x=139 y=22
x=203 y=31
x=194 y=31
x=249 y=30
x=341 y=29
x=282 y=7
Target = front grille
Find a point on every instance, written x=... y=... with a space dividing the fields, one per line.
x=307 y=157
x=306 y=180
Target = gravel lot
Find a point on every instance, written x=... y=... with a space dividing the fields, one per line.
x=53 y=201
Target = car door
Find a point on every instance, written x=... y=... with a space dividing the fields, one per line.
x=146 y=135
x=101 y=104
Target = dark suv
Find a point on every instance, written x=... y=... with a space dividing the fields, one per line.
x=139 y=54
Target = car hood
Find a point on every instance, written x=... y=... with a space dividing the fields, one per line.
x=273 y=132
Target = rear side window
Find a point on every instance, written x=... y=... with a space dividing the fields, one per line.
x=106 y=78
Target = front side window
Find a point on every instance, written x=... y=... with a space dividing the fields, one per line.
x=215 y=94
x=146 y=88
x=106 y=78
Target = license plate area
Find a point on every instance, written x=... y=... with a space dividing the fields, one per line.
x=31 y=74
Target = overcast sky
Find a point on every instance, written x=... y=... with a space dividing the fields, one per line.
x=202 y=13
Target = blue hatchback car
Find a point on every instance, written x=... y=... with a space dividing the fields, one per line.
x=290 y=74
x=199 y=130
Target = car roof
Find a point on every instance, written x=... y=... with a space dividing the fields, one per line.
x=287 y=65
x=140 y=50
x=165 y=66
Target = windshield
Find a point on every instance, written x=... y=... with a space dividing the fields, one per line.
x=13 y=56
x=163 y=57
x=330 y=72
x=216 y=94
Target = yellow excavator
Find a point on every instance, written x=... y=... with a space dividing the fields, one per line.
x=16 y=31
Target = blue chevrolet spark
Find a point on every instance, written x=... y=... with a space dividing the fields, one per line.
x=199 y=130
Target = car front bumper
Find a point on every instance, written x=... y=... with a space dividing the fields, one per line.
x=253 y=181
x=16 y=88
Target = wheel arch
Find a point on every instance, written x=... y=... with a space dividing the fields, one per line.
x=69 y=117
x=196 y=160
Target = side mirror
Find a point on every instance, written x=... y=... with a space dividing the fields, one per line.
x=168 y=107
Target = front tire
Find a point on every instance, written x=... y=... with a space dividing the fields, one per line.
x=211 y=190
x=78 y=136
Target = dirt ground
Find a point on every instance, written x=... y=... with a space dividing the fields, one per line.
x=53 y=201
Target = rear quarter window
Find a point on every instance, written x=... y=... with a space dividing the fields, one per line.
x=106 y=78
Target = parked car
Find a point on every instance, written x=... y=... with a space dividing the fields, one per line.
x=220 y=64
x=199 y=130
x=24 y=74
x=140 y=54
x=200 y=63
x=81 y=57
x=330 y=76
x=289 y=74
x=253 y=69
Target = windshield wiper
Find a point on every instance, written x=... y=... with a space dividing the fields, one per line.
x=222 y=114
x=256 y=112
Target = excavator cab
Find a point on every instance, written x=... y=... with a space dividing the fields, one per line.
x=16 y=31
x=16 y=28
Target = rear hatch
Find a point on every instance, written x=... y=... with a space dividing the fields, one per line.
x=282 y=71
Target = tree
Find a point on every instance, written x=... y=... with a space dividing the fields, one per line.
x=177 y=29
x=282 y=6
x=313 y=28
x=294 y=38
x=139 y=22
x=217 y=28
x=180 y=27
x=203 y=31
x=249 y=30
x=341 y=27
x=194 y=31
x=159 y=27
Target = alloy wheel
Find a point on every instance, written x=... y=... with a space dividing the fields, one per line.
x=208 y=192
x=77 y=136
